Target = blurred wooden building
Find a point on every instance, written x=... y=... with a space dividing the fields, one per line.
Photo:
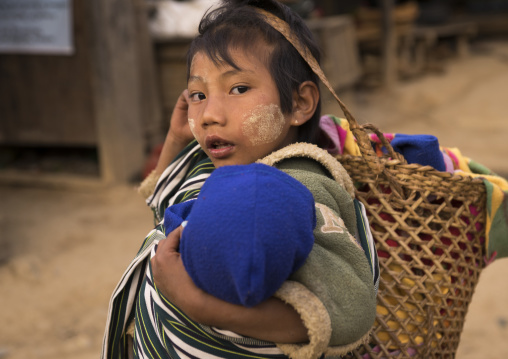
x=115 y=91
x=101 y=94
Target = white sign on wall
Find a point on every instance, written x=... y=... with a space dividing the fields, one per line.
x=36 y=27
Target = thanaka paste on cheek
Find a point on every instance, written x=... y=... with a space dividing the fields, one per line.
x=264 y=124
x=192 y=126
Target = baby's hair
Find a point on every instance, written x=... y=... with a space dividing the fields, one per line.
x=237 y=24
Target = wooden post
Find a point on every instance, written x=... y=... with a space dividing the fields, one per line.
x=389 y=70
x=116 y=88
x=153 y=123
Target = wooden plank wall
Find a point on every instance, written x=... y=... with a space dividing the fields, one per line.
x=104 y=95
x=47 y=99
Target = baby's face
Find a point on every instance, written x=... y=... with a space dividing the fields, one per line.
x=235 y=114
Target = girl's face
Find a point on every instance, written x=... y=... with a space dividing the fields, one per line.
x=235 y=114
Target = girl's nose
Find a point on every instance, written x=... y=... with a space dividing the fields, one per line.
x=213 y=113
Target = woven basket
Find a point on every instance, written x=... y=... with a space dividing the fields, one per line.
x=429 y=232
x=429 y=229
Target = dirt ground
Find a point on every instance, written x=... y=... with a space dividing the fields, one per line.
x=64 y=245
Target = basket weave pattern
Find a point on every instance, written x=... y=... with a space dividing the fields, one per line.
x=430 y=241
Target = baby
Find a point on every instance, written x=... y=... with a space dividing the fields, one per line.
x=235 y=245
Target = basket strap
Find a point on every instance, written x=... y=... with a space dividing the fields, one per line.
x=385 y=142
x=358 y=131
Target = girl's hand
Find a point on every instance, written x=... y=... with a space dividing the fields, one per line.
x=271 y=320
x=179 y=134
x=169 y=274
x=179 y=129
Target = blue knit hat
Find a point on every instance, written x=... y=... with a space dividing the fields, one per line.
x=249 y=229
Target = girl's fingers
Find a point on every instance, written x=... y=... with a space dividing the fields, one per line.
x=172 y=241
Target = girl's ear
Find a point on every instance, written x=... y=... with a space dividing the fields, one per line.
x=305 y=101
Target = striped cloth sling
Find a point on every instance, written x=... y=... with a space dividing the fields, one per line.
x=162 y=330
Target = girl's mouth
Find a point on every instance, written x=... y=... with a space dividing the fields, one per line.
x=219 y=148
x=219 y=145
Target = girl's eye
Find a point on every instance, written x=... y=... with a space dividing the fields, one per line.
x=238 y=90
x=197 y=96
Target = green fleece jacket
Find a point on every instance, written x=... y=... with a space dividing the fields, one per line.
x=333 y=291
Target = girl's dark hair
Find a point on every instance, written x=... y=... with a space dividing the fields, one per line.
x=237 y=24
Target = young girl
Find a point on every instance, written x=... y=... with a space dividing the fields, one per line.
x=251 y=97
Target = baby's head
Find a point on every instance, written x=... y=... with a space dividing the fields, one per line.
x=249 y=229
x=250 y=91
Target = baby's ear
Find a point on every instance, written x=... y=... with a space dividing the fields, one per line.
x=305 y=102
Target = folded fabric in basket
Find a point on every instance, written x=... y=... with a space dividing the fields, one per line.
x=336 y=136
x=425 y=150
x=497 y=202
x=422 y=149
